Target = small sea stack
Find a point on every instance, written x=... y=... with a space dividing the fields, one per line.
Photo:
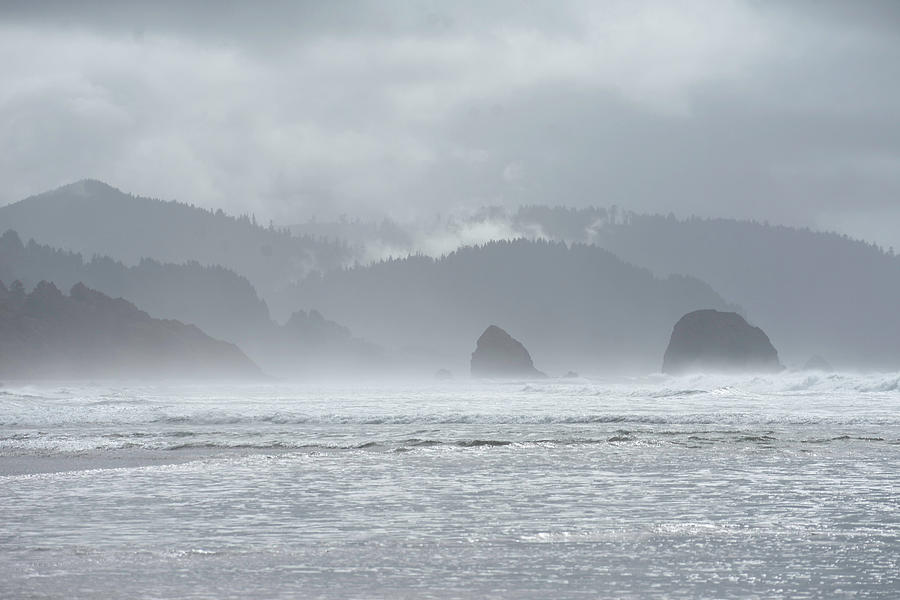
x=817 y=363
x=443 y=375
x=498 y=354
x=715 y=341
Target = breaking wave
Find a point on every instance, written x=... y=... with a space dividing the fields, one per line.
x=692 y=412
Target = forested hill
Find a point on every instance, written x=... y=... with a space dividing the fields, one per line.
x=215 y=299
x=220 y=302
x=46 y=334
x=573 y=307
x=813 y=292
x=91 y=217
x=817 y=293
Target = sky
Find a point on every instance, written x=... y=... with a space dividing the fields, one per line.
x=778 y=111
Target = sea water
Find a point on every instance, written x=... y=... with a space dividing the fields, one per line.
x=654 y=487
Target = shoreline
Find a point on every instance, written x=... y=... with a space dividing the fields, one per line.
x=44 y=464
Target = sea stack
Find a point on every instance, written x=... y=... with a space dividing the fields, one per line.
x=498 y=354
x=710 y=340
x=817 y=363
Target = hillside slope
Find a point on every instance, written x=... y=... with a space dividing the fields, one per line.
x=91 y=218
x=215 y=299
x=815 y=293
x=46 y=334
x=578 y=307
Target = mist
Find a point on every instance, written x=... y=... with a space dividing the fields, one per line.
x=227 y=167
x=416 y=299
x=749 y=110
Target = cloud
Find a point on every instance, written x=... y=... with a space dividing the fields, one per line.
x=726 y=107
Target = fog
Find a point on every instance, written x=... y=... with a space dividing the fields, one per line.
x=462 y=299
x=762 y=110
x=364 y=188
x=814 y=292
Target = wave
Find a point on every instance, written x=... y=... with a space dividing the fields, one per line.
x=481 y=443
x=668 y=393
x=121 y=401
x=718 y=418
x=887 y=385
x=267 y=422
x=206 y=445
x=783 y=399
x=665 y=386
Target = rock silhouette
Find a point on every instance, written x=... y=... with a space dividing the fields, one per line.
x=497 y=354
x=443 y=375
x=710 y=340
x=817 y=363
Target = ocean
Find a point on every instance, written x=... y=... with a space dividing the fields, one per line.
x=781 y=486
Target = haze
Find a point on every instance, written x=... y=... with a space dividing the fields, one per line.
x=450 y=299
x=367 y=186
x=763 y=110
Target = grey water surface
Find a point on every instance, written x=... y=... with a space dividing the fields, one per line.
x=655 y=487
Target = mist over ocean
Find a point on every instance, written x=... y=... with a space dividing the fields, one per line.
x=653 y=487
x=481 y=299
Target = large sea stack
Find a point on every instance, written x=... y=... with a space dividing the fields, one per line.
x=710 y=340
x=498 y=354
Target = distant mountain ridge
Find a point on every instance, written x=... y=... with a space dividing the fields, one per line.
x=91 y=217
x=218 y=301
x=215 y=299
x=577 y=307
x=814 y=292
x=46 y=334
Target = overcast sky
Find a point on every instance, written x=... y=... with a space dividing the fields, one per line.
x=786 y=111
